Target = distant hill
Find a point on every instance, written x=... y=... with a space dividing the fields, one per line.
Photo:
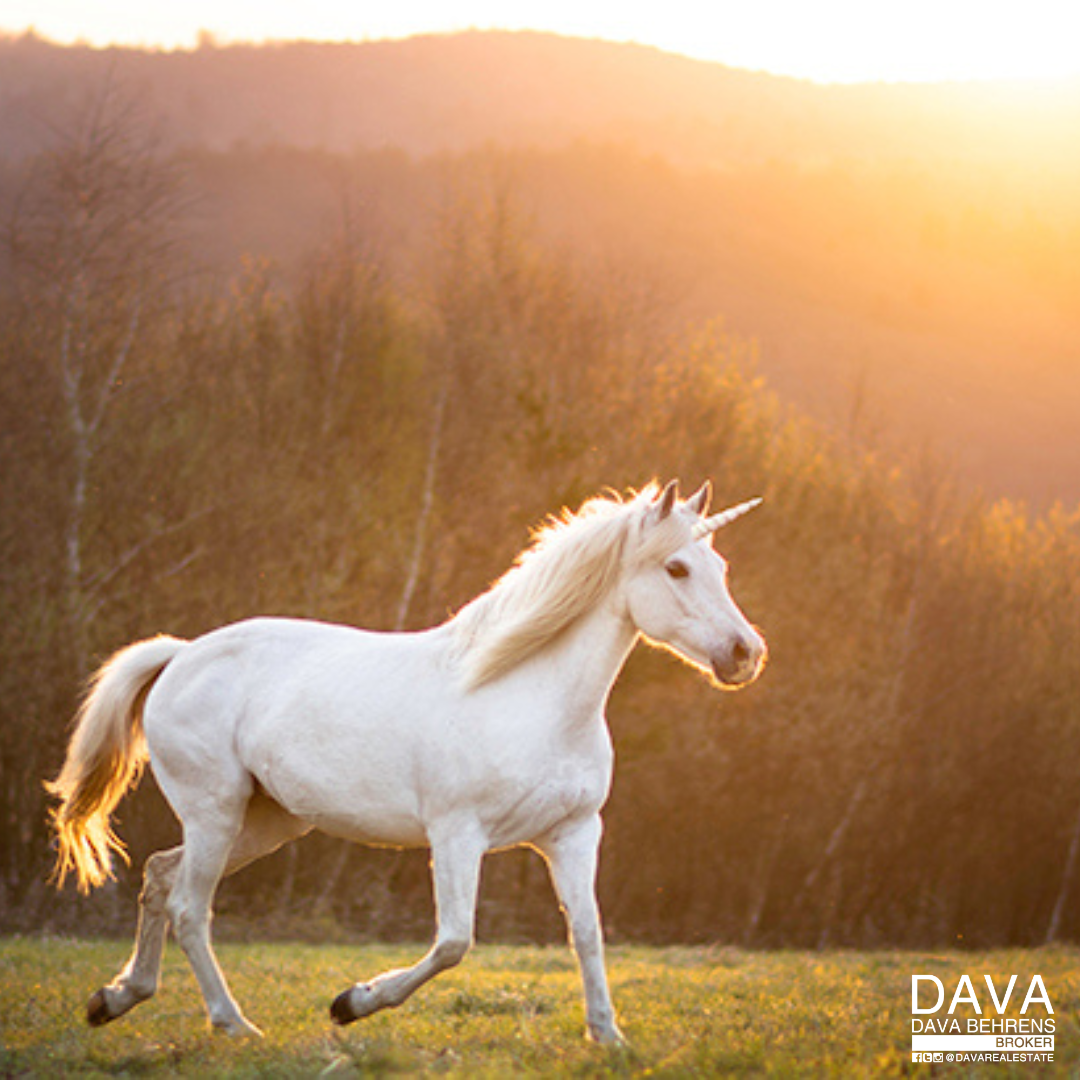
x=909 y=254
x=452 y=92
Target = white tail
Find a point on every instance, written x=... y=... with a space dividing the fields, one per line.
x=105 y=757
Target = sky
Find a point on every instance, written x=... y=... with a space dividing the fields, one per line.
x=824 y=40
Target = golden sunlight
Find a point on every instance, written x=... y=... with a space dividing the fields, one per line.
x=852 y=41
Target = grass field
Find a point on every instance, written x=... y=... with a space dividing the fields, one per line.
x=510 y=1010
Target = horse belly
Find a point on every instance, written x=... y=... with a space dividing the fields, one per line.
x=359 y=793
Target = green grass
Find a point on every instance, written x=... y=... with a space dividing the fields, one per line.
x=508 y=1011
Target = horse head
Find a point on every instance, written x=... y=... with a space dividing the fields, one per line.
x=677 y=589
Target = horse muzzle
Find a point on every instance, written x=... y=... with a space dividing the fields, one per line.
x=740 y=664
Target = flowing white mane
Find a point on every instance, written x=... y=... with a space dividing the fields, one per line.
x=572 y=563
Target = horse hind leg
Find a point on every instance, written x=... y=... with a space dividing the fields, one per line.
x=211 y=850
x=208 y=839
x=138 y=980
x=266 y=827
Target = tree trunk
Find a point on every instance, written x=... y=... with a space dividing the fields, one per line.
x=1067 y=876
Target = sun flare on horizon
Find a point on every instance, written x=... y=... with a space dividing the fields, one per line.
x=832 y=41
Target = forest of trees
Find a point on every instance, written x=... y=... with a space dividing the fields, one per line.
x=368 y=438
x=918 y=246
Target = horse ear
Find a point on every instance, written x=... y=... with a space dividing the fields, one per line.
x=666 y=501
x=699 y=501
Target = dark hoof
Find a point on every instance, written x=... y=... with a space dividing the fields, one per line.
x=97 y=1010
x=341 y=1012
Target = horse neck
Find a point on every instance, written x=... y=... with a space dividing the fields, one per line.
x=589 y=655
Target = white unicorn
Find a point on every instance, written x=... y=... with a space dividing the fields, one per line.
x=483 y=733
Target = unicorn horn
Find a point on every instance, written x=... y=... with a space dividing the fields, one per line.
x=725 y=517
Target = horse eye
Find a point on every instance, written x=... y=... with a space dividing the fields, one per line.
x=677 y=570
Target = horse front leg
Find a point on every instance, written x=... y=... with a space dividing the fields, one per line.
x=572 y=852
x=455 y=864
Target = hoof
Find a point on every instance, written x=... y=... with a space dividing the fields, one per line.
x=97 y=1010
x=359 y=1001
x=609 y=1036
x=241 y=1030
x=236 y=1028
x=341 y=1011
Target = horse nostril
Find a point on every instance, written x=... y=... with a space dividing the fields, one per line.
x=739 y=662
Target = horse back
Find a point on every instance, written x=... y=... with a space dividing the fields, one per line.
x=322 y=717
